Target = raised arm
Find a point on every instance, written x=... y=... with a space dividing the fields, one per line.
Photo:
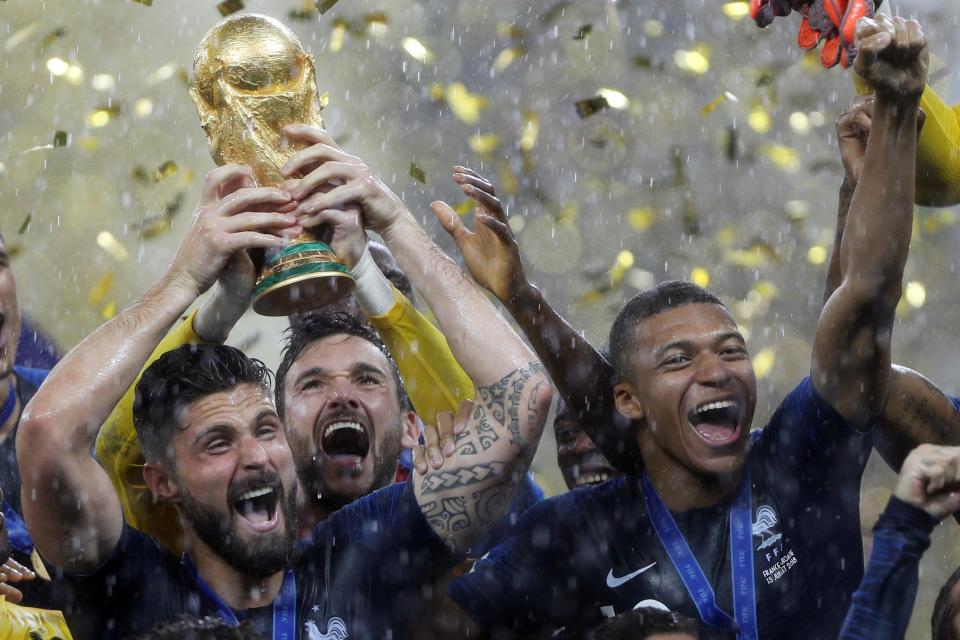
x=476 y=485
x=851 y=356
x=583 y=376
x=916 y=411
x=69 y=504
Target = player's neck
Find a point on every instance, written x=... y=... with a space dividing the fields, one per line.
x=239 y=590
x=682 y=489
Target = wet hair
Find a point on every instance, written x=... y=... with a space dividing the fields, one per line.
x=316 y=326
x=945 y=610
x=642 y=623
x=209 y=628
x=647 y=303
x=180 y=377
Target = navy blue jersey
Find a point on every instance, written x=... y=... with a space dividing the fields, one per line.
x=357 y=579
x=593 y=552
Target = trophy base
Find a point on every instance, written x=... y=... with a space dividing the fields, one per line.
x=302 y=278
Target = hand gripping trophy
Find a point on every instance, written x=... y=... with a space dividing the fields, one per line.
x=252 y=77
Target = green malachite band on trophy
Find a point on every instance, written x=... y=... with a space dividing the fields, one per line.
x=299 y=270
x=299 y=247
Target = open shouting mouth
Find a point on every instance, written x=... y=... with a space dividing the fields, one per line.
x=345 y=442
x=717 y=422
x=258 y=507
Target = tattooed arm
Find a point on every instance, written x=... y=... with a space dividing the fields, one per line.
x=498 y=439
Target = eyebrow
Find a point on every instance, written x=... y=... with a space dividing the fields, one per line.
x=690 y=345
x=356 y=367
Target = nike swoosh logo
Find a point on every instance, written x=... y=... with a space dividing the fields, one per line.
x=613 y=582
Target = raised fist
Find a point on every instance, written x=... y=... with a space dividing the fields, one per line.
x=892 y=57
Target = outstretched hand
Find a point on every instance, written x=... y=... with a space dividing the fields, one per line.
x=490 y=251
x=930 y=480
x=892 y=57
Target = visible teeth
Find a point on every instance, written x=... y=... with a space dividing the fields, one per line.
x=256 y=493
x=592 y=478
x=336 y=426
x=722 y=404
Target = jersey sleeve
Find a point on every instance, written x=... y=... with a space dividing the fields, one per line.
x=529 y=580
x=809 y=438
x=432 y=376
x=883 y=603
x=118 y=452
x=938 y=149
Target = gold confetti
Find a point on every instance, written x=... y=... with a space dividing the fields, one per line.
x=590 y=106
x=60 y=139
x=506 y=57
x=915 y=294
x=102 y=288
x=736 y=10
x=229 y=6
x=110 y=309
x=782 y=156
x=417 y=50
x=531 y=130
x=465 y=105
x=615 y=99
x=817 y=254
x=583 y=32
x=700 y=277
x=695 y=61
x=417 y=173
x=153 y=226
x=325 y=5
x=641 y=218
x=623 y=262
x=464 y=207
x=508 y=180
x=25 y=224
x=337 y=35
x=109 y=243
x=148 y=3
x=708 y=108
x=484 y=143
x=763 y=363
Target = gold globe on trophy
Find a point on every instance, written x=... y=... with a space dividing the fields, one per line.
x=251 y=78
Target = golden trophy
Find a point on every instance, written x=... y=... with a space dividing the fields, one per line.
x=252 y=77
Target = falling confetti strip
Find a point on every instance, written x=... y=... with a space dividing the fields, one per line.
x=325 y=5
x=229 y=6
x=417 y=173
x=588 y=107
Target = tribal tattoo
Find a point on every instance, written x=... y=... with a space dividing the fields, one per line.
x=502 y=400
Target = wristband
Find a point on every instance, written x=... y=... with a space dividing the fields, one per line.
x=374 y=292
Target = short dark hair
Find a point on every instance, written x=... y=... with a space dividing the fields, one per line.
x=945 y=610
x=640 y=624
x=209 y=628
x=647 y=303
x=181 y=376
x=311 y=327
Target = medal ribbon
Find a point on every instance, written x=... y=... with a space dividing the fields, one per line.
x=284 y=605
x=744 y=623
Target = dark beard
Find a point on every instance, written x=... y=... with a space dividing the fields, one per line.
x=261 y=557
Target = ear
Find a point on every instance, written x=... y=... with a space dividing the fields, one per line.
x=625 y=397
x=410 y=430
x=161 y=483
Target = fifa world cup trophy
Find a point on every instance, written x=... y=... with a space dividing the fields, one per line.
x=252 y=77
